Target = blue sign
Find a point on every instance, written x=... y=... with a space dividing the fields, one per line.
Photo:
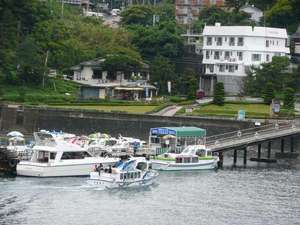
x=162 y=131
x=241 y=114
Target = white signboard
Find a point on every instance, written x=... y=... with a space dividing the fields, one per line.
x=169 y=87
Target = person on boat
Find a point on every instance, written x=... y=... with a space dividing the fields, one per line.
x=135 y=147
x=109 y=169
x=99 y=168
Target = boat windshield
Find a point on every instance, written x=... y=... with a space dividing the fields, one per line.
x=75 y=155
x=189 y=150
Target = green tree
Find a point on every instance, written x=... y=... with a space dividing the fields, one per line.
x=162 y=72
x=269 y=93
x=273 y=72
x=30 y=63
x=137 y=14
x=213 y=14
x=219 y=94
x=236 y=4
x=280 y=14
x=289 y=100
x=163 y=39
x=188 y=83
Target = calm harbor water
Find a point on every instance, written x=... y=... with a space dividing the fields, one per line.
x=240 y=196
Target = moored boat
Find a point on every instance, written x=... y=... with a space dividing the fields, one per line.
x=193 y=157
x=134 y=172
x=54 y=157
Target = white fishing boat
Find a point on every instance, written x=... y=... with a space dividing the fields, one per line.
x=134 y=172
x=54 y=157
x=193 y=157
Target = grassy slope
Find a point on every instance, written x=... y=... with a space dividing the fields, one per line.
x=231 y=110
x=139 y=109
x=38 y=94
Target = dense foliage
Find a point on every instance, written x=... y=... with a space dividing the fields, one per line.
x=289 y=101
x=219 y=94
x=269 y=93
x=213 y=14
x=34 y=30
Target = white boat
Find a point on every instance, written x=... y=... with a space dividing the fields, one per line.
x=55 y=158
x=193 y=157
x=134 y=172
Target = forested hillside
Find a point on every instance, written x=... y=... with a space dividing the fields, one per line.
x=33 y=30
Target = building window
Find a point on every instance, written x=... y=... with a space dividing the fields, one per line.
x=97 y=74
x=231 y=68
x=217 y=55
x=227 y=55
x=240 y=41
x=267 y=43
x=219 y=41
x=268 y=58
x=209 y=41
x=240 y=55
x=232 y=41
x=277 y=54
x=256 y=57
x=207 y=54
x=222 y=68
x=211 y=68
x=236 y=67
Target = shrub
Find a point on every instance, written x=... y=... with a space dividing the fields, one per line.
x=289 y=100
x=268 y=93
x=219 y=94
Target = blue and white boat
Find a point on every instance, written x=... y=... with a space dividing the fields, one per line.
x=133 y=172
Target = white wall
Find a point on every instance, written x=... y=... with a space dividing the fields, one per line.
x=251 y=45
x=86 y=73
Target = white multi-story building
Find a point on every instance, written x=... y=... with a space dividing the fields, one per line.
x=230 y=51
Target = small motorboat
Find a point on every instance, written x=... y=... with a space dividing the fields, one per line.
x=132 y=172
x=193 y=157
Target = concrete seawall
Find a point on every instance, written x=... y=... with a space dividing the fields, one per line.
x=29 y=119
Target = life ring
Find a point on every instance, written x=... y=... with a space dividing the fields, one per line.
x=12 y=162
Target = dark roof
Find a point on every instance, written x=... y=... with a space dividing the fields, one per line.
x=98 y=62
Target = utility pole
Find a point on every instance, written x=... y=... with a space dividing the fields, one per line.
x=45 y=65
x=62 y=8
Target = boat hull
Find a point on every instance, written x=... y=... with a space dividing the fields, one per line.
x=111 y=184
x=36 y=170
x=172 y=166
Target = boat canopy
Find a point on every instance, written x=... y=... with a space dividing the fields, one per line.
x=178 y=131
x=126 y=166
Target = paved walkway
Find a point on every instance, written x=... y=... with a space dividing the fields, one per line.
x=168 y=111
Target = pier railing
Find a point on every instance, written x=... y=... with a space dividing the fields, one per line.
x=254 y=132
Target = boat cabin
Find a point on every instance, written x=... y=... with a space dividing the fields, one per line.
x=175 y=139
x=42 y=155
x=186 y=159
x=47 y=149
x=127 y=169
